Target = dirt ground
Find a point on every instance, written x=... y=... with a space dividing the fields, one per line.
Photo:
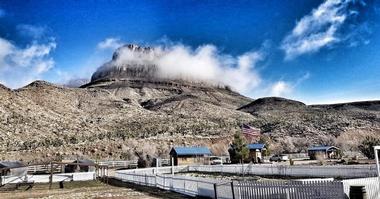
x=86 y=190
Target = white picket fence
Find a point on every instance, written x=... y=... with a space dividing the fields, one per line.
x=190 y=186
x=289 y=189
x=372 y=186
x=216 y=188
x=335 y=171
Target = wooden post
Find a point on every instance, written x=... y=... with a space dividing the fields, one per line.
x=215 y=192
x=172 y=166
x=51 y=175
x=232 y=190
x=156 y=166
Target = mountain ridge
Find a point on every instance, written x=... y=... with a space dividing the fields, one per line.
x=129 y=113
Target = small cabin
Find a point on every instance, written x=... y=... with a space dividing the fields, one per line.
x=189 y=155
x=256 y=152
x=83 y=165
x=13 y=168
x=324 y=152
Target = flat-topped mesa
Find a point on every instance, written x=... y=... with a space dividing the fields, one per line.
x=135 y=66
x=128 y=62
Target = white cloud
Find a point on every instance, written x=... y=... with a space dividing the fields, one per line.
x=281 y=88
x=285 y=88
x=109 y=43
x=318 y=29
x=20 y=66
x=204 y=63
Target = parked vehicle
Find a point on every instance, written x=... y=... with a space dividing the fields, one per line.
x=216 y=161
x=279 y=158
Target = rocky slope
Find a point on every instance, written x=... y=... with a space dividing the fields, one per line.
x=127 y=111
x=293 y=126
x=116 y=116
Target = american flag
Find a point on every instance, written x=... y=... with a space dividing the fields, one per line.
x=250 y=132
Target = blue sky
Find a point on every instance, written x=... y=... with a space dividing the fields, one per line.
x=313 y=51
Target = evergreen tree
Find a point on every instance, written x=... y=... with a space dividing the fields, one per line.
x=265 y=140
x=238 y=150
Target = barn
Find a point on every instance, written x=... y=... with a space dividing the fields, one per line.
x=324 y=152
x=189 y=155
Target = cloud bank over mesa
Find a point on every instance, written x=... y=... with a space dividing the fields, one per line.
x=205 y=63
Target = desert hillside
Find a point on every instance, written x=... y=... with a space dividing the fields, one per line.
x=127 y=111
x=294 y=126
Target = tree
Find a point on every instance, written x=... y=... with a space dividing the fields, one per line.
x=238 y=150
x=366 y=147
x=264 y=139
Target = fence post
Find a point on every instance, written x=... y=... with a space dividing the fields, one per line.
x=232 y=190
x=51 y=175
x=215 y=191
x=156 y=165
x=172 y=166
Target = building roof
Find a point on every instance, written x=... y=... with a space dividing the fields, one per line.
x=256 y=146
x=11 y=164
x=85 y=161
x=321 y=148
x=191 y=151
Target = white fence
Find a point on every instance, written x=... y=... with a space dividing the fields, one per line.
x=119 y=164
x=372 y=186
x=216 y=188
x=186 y=185
x=160 y=170
x=289 y=189
x=80 y=176
x=335 y=171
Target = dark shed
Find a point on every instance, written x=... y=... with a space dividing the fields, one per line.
x=83 y=165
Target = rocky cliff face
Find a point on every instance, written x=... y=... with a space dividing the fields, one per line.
x=126 y=112
x=132 y=69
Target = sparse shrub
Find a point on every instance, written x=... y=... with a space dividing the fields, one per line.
x=141 y=163
x=366 y=147
x=266 y=140
x=73 y=140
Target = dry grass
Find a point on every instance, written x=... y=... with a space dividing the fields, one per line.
x=79 y=190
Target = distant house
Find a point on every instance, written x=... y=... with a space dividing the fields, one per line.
x=83 y=165
x=325 y=152
x=255 y=152
x=13 y=168
x=189 y=155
